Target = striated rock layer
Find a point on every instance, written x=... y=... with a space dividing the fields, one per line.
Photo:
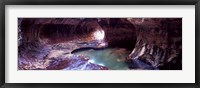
x=159 y=42
x=48 y=43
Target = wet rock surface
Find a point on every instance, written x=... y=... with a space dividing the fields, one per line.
x=50 y=43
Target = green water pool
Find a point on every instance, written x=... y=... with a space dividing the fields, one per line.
x=112 y=58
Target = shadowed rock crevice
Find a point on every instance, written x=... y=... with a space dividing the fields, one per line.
x=119 y=33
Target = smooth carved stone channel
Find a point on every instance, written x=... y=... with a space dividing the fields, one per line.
x=99 y=43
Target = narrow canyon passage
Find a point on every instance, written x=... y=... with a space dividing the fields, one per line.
x=100 y=43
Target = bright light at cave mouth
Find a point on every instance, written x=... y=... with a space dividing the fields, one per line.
x=99 y=35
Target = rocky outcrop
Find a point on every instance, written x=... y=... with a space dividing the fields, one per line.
x=159 y=42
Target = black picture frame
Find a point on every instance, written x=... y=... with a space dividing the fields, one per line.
x=98 y=2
